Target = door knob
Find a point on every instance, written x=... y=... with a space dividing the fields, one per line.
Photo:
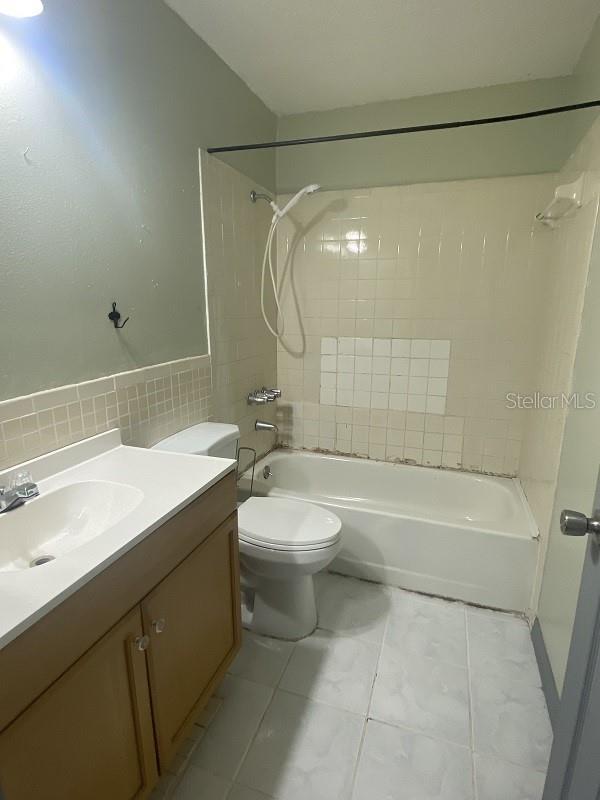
x=574 y=523
x=158 y=625
x=142 y=642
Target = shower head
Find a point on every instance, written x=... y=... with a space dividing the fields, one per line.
x=312 y=187
x=279 y=213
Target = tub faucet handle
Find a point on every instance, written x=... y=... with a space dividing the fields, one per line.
x=256 y=398
x=274 y=393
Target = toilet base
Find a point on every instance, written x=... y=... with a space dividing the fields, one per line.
x=282 y=609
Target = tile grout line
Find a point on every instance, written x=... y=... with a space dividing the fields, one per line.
x=367 y=715
x=275 y=689
x=365 y=718
x=471 y=706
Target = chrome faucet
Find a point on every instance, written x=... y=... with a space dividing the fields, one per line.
x=261 y=425
x=272 y=394
x=21 y=489
x=258 y=397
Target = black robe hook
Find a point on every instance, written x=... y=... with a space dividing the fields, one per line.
x=115 y=316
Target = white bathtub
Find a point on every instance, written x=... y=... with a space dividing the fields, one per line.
x=454 y=534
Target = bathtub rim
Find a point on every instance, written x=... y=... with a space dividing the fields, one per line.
x=532 y=528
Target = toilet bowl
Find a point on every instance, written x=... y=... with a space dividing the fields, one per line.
x=283 y=543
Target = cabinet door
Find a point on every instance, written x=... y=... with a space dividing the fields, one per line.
x=193 y=619
x=89 y=736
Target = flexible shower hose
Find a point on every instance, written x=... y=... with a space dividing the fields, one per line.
x=268 y=258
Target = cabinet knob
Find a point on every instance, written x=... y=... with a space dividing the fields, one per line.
x=142 y=642
x=158 y=625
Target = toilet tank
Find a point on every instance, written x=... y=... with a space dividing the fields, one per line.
x=206 y=439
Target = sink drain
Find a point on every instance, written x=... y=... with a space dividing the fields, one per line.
x=37 y=562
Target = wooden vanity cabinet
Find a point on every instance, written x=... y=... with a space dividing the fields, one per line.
x=192 y=618
x=97 y=696
x=90 y=734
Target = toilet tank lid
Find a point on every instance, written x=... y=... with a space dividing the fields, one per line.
x=199 y=439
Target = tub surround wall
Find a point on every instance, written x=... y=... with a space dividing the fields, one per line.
x=464 y=262
x=561 y=325
x=570 y=483
x=146 y=404
x=244 y=355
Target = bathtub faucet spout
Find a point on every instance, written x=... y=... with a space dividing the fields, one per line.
x=261 y=425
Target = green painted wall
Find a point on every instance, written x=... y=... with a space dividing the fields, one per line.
x=103 y=105
x=515 y=148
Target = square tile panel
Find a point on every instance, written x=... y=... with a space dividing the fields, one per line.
x=384 y=360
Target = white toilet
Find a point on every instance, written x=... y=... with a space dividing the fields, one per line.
x=283 y=543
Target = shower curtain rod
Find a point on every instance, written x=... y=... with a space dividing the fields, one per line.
x=436 y=126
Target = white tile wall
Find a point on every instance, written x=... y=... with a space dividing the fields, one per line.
x=244 y=354
x=563 y=305
x=462 y=262
x=397 y=374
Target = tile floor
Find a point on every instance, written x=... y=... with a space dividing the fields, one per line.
x=395 y=697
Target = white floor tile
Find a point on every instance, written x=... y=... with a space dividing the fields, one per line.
x=498 y=780
x=417 y=738
x=261 y=659
x=209 y=711
x=197 y=784
x=224 y=745
x=352 y=607
x=423 y=694
x=500 y=645
x=303 y=750
x=333 y=669
x=396 y=764
x=244 y=793
x=511 y=721
x=420 y=626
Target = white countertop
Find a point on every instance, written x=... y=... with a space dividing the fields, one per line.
x=169 y=481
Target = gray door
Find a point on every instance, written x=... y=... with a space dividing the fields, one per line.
x=574 y=770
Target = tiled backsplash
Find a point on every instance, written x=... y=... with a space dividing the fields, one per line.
x=147 y=404
x=399 y=374
x=460 y=262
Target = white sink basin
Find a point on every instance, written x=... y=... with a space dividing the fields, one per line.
x=62 y=520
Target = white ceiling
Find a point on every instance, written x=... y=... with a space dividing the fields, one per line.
x=302 y=55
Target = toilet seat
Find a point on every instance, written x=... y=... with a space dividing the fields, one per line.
x=277 y=523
